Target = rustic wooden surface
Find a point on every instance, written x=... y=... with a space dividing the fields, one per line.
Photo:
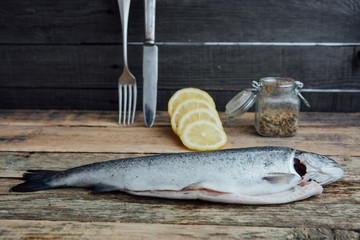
x=68 y=54
x=63 y=139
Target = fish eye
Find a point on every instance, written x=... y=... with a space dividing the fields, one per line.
x=299 y=167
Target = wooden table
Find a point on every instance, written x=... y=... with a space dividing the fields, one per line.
x=63 y=139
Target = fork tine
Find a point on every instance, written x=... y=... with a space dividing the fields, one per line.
x=129 y=105
x=125 y=102
x=120 y=101
x=134 y=105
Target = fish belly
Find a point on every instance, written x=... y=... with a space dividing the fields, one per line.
x=299 y=192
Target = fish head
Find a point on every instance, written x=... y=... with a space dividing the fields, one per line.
x=319 y=168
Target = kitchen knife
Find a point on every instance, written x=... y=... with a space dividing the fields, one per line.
x=150 y=65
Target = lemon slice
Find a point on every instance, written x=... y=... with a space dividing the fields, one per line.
x=203 y=135
x=186 y=106
x=187 y=93
x=198 y=114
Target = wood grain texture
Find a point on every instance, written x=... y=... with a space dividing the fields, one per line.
x=207 y=67
x=63 y=139
x=107 y=99
x=109 y=118
x=181 y=21
x=100 y=230
x=336 y=208
x=67 y=55
x=84 y=77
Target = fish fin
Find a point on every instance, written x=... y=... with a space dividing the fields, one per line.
x=101 y=187
x=201 y=187
x=279 y=178
x=170 y=194
x=35 y=180
x=193 y=186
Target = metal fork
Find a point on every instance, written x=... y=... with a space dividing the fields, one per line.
x=127 y=82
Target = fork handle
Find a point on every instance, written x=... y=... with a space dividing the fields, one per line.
x=150 y=21
x=124 y=7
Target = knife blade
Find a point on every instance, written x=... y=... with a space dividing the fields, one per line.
x=150 y=65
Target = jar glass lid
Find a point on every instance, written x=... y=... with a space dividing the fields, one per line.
x=240 y=104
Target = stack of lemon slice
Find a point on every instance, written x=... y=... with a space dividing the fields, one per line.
x=195 y=120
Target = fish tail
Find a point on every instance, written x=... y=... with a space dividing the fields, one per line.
x=35 y=180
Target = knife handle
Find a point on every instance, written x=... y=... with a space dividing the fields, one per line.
x=150 y=21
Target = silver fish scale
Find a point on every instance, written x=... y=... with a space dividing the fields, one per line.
x=213 y=169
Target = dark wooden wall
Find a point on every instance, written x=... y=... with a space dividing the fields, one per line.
x=68 y=54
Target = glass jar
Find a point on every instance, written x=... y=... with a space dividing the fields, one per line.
x=277 y=105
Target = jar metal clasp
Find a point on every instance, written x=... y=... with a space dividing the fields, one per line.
x=299 y=85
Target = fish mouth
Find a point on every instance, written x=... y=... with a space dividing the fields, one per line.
x=325 y=176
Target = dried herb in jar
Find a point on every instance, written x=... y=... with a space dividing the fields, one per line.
x=278 y=122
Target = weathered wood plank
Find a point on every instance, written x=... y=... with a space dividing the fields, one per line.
x=63 y=135
x=336 y=208
x=67 y=55
x=207 y=67
x=84 y=77
x=181 y=21
x=67 y=212
x=101 y=230
x=109 y=118
x=107 y=99
x=331 y=141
